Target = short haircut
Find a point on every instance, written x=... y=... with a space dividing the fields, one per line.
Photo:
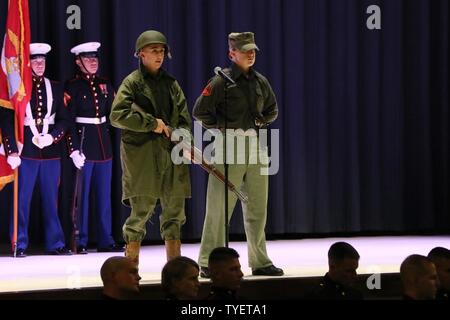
x=222 y=254
x=175 y=270
x=413 y=266
x=439 y=253
x=111 y=265
x=342 y=250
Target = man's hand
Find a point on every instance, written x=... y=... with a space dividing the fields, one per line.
x=196 y=159
x=45 y=140
x=259 y=122
x=42 y=140
x=162 y=128
x=35 y=141
x=78 y=159
x=14 y=160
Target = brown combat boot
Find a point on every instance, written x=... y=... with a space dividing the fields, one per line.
x=132 y=251
x=173 y=249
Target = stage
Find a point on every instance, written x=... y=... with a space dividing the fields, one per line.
x=298 y=258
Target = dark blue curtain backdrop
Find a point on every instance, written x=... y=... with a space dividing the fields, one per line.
x=363 y=115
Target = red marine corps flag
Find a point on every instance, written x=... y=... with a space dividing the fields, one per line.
x=15 y=75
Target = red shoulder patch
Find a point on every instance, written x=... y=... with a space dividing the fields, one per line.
x=67 y=98
x=207 y=91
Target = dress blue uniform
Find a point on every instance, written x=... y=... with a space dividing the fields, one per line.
x=8 y=146
x=90 y=100
x=47 y=115
x=7 y=142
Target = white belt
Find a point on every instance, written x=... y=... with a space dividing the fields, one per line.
x=90 y=120
x=39 y=121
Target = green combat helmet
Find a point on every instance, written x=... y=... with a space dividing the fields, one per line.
x=152 y=37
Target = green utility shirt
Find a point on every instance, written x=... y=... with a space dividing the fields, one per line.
x=145 y=155
x=251 y=98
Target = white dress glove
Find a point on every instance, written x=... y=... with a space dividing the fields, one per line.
x=14 y=161
x=78 y=160
x=35 y=141
x=43 y=140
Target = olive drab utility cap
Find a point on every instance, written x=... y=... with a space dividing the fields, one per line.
x=152 y=37
x=242 y=41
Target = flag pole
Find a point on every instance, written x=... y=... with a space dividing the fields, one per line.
x=16 y=82
x=16 y=194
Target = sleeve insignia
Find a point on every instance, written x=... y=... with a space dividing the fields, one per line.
x=207 y=91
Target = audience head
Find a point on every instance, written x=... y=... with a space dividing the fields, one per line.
x=179 y=278
x=343 y=260
x=419 y=277
x=441 y=258
x=225 y=269
x=120 y=278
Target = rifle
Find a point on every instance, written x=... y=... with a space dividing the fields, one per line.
x=76 y=201
x=197 y=155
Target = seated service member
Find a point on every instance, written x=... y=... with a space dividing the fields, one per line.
x=179 y=279
x=339 y=282
x=120 y=277
x=419 y=278
x=440 y=256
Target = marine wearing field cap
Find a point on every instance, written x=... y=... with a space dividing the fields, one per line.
x=251 y=105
